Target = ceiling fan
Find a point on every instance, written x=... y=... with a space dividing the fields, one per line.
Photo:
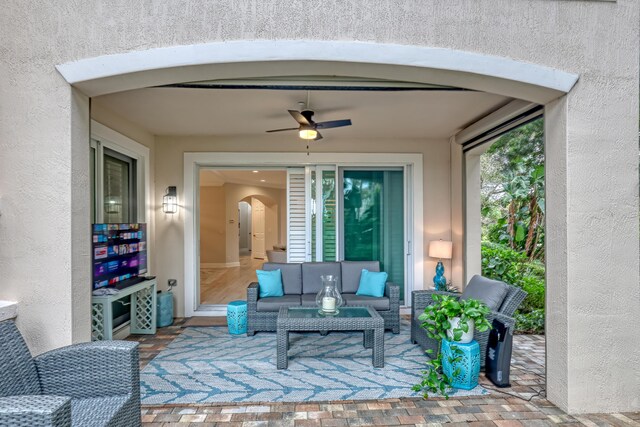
x=308 y=129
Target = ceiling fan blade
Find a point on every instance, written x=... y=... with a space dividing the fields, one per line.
x=281 y=130
x=318 y=137
x=333 y=124
x=298 y=117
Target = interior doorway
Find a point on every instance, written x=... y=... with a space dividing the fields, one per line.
x=241 y=217
x=258 y=229
x=244 y=228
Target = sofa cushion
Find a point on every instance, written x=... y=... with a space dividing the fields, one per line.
x=311 y=272
x=308 y=300
x=491 y=292
x=381 y=303
x=291 y=275
x=351 y=271
x=274 y=303
x=270 y=283
x=372 y=283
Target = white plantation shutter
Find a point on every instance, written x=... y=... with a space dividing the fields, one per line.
x=296 y=215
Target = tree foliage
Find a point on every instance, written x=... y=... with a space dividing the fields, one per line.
x=513 y=202
x=513 y=211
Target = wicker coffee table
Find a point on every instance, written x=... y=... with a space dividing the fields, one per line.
x=308 y=319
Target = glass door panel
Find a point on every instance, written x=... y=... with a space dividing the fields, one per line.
x=373 y=220
x=329 y=220
x=322 y=219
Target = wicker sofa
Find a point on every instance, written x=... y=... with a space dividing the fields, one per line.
x=302 y=282
x=90 y=384
x=480 y=288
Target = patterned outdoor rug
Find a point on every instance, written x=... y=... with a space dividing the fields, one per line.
x=209 y=365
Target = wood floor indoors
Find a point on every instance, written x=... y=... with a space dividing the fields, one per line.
x=223 y=285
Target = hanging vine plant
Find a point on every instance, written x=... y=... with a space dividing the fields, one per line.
x=437 y=320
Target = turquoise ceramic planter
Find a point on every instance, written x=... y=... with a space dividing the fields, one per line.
x=165 y=309
x=469 y=364
x=237 y=317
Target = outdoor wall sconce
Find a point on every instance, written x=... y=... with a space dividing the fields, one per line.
x=170 y=201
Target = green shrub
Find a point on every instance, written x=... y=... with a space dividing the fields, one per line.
x=530 y=323
x=535 y=290
x=500 y=262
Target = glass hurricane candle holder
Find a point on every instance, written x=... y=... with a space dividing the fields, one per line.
x=329 y=299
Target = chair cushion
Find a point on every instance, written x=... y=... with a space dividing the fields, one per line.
x=274 y=303
x=372 y=283
x=381 y=303
x=270 y=283
x=97 y=411
x=18 y=374
x=351 y=271
x=308 y=300
x=491 y=292
x=311 y=272
x=291 y=275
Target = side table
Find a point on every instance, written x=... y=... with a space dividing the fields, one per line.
x=237 y=317
x=469 y=364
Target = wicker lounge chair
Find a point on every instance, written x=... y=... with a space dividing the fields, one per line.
x=503 y=304
x=89 y=384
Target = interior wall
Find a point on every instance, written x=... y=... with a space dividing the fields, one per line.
x=213 y=230
x=169 y=171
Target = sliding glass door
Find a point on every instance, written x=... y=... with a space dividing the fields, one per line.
x=353 y=214
x=373 y=217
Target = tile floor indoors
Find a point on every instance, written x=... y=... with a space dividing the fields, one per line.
x=523 y=404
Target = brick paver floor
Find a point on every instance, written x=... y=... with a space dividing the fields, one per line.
x=522 y=404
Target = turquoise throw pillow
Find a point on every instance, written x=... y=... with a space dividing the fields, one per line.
x=372 y=283
x=270 y=283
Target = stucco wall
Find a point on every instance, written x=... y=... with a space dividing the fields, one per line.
x=169 y=171
x=592 y=139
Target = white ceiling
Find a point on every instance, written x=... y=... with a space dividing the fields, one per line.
x=228 y=112
x=263 y=178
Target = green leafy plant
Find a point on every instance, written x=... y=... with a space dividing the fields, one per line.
x=531 y=322
x=436 y=320
x=500 y=262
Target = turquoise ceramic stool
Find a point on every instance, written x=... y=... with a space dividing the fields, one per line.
x=469 y=365
x=165 y=309
x=237 y=317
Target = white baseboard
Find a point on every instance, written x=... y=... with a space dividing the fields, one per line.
x=219 y=264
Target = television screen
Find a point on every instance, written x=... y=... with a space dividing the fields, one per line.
x=119 y=253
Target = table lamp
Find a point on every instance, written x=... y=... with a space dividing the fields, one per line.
x=442 y=250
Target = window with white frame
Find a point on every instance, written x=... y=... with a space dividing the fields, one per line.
x=118 y=177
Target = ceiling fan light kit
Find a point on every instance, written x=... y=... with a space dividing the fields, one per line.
x=307 y=133
x=308 y=129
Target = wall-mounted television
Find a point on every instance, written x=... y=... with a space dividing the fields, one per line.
x=119 y=254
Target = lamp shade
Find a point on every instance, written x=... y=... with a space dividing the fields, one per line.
x=440 y=249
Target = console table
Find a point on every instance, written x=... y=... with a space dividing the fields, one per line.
x=143 y=311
